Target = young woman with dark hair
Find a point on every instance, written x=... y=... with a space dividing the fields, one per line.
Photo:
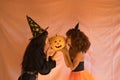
x=34 y=59
x=78 y=44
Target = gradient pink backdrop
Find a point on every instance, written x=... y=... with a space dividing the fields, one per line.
x=99 y=19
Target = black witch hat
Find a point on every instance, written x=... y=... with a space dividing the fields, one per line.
x=35 y=28
x=76 y=27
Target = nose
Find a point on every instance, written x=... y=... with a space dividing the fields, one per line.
x=57 y=43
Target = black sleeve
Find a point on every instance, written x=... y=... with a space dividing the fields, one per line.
x=44 y=67
x=26 y=76
x=51 y=62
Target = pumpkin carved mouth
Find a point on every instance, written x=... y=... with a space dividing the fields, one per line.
x=58 y=46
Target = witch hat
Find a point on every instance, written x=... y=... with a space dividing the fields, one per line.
x=76 y=27
x=35 y=28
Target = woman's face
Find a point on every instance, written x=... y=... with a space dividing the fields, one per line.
x=68 y=41
x=46 y=45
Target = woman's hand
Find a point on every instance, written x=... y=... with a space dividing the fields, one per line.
x=50 y=52
x=65 y=50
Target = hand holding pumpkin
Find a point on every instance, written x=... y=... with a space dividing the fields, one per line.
x=50 y=52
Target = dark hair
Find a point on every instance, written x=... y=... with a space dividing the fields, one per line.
x=33 y=48
x=79 y=40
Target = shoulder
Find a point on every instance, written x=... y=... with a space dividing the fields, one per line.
x=80 y=56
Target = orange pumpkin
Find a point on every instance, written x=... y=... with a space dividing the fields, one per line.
x=57 y=42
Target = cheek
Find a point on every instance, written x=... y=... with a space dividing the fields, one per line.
x=68 y=41
x=46 y=46
x=46 y=42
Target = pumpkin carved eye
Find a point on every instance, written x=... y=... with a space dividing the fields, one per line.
x=59 y=40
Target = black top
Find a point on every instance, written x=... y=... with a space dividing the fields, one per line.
x=80 y=67
x=36 y=63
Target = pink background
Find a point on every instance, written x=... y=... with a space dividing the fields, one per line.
x=99 y=19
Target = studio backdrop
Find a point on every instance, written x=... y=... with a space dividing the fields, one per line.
x=98 y=19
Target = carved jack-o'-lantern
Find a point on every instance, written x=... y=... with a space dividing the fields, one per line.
x=57 y=42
